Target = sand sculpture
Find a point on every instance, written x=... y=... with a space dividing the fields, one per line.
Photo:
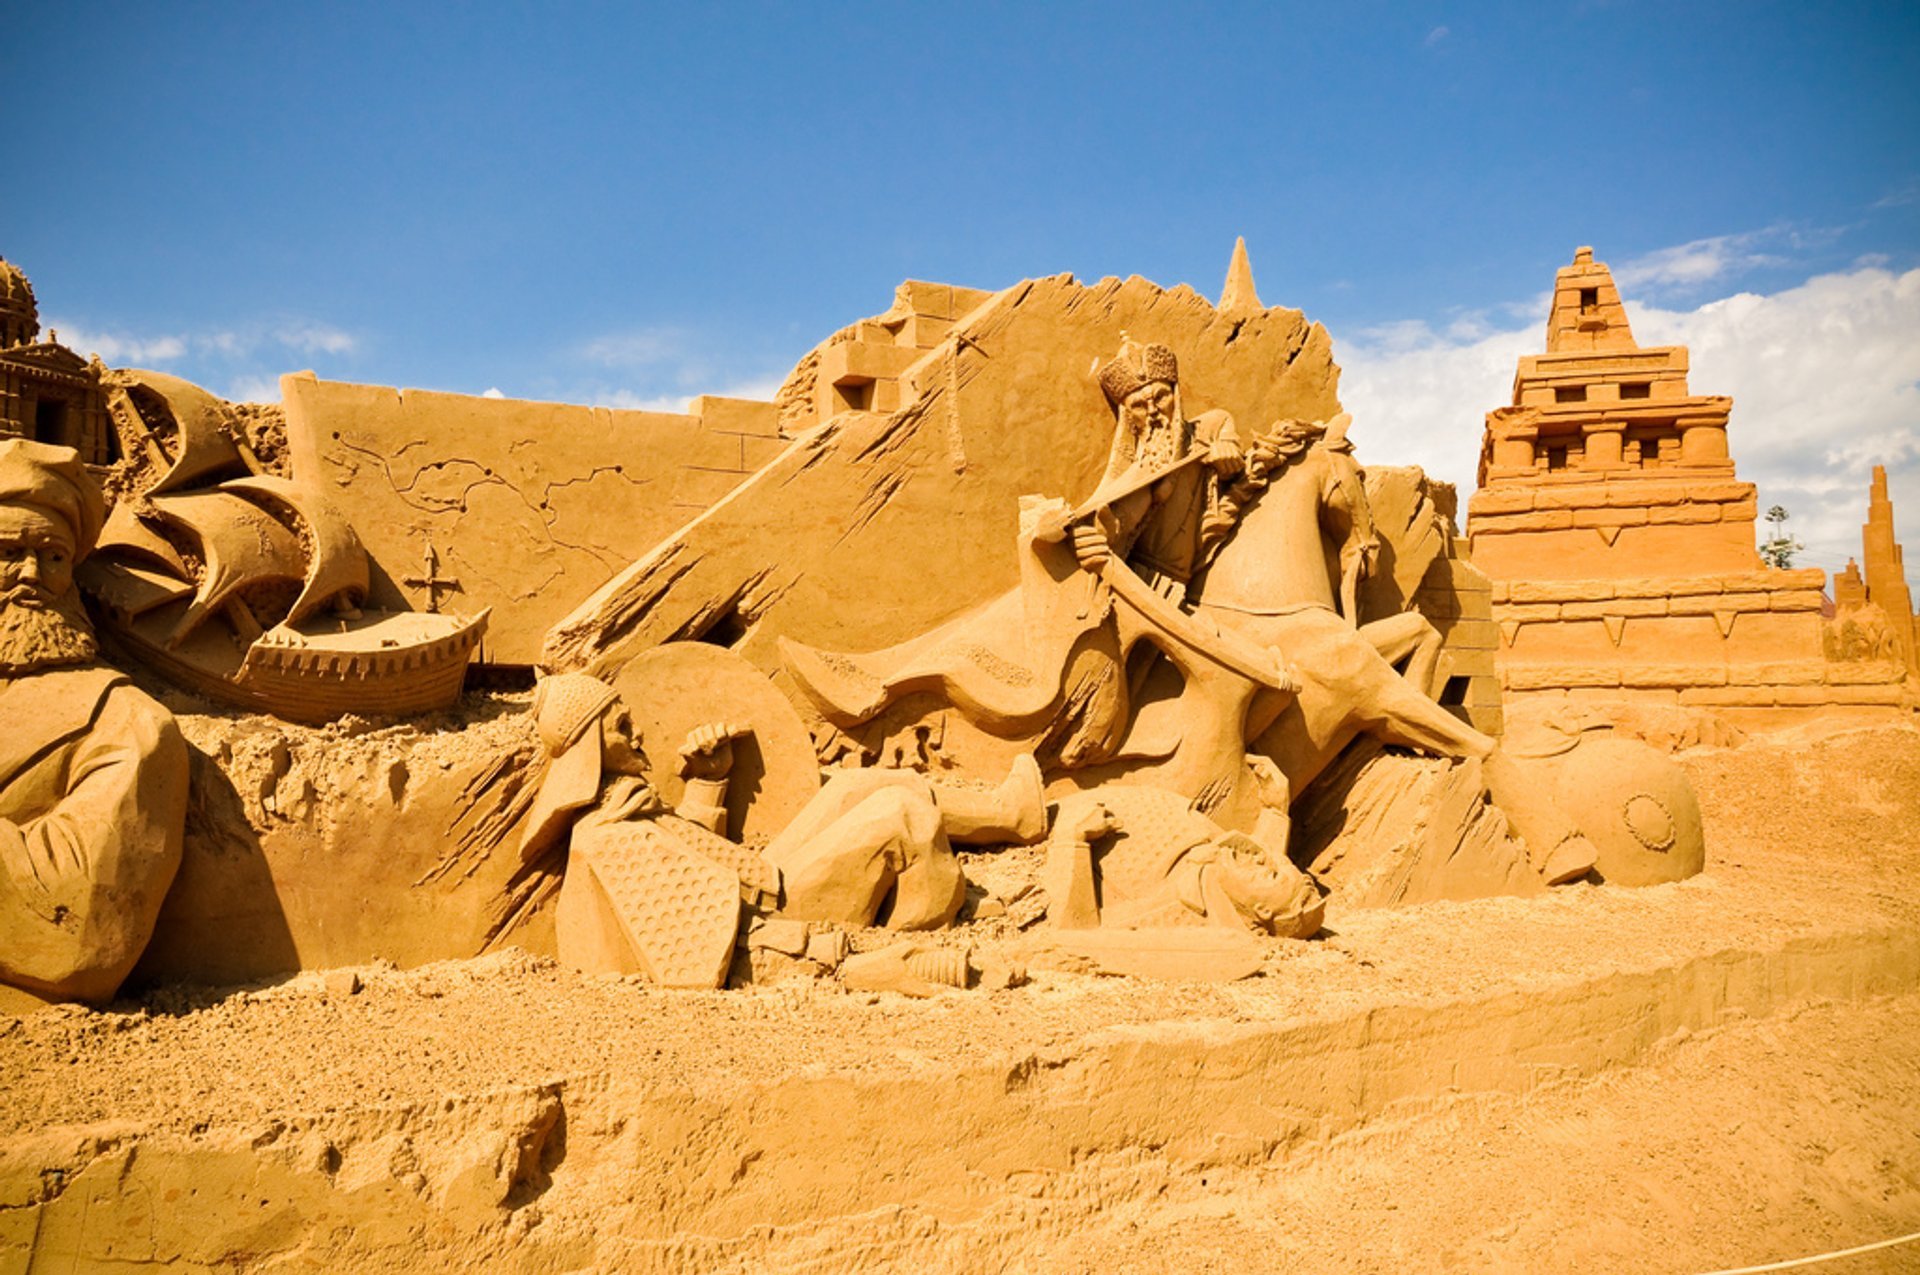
x=1222 y=672
x=47 y=392
x=1622 y=545
x=663 y=893
x=1235 y=698
x=1070 y=630
x=93 y=773
x=250 y=587
x=1874 y=617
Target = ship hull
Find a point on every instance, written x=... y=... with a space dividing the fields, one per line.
x=392 y=664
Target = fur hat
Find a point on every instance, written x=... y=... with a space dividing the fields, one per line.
x=1137 y=365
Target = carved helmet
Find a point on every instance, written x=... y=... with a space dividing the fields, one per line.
x=1137 y=365
x=565 y=705
x=567 y=711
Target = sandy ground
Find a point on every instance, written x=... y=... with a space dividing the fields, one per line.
x=1751 y=1143
x=1676 y=1131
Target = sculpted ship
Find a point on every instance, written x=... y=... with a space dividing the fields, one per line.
x=248 y=587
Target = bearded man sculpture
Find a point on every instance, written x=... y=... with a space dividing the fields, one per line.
x=93 y=773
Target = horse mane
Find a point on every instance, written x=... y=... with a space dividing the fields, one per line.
x=1270 y=456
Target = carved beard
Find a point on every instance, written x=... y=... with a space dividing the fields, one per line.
x=1159 y=444
x=40 y=631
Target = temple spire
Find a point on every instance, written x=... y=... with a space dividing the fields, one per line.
x=1237 y=295
x=1587 y=313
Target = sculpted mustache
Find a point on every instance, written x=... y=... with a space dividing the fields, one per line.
x=28 y=594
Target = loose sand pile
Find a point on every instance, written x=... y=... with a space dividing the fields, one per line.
x=1689 y=1076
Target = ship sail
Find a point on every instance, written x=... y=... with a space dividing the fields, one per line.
x=203 y=444
x=241 y=546
x=336 y=560
x=127 y=536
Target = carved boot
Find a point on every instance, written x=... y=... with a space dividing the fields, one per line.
x=1014 y=812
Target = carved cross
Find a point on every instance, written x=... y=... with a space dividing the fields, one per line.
x=432 y=581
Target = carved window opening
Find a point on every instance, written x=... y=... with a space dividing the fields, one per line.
x=1652 y=447
x=1570 y=394
x=50 y=422
x=1589 y=300
x=500 y=677
x=1557 y=457
x=1636 y=389
x=853 y=396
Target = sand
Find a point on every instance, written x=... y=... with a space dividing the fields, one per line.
x=1691 y=1076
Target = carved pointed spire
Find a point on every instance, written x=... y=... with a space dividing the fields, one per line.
x=1237 y=296
x=1587 y=313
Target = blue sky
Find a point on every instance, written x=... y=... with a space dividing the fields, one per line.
x=632 y=204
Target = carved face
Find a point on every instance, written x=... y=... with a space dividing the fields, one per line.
x=1152 y=436
x=41 y=623
x=36 y=559
x=620 y=752
x=1258 y=892
x=1147 y=409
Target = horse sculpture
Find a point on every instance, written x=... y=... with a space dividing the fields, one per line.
x=1287 y=579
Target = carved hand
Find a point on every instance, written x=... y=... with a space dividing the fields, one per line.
x=1050 y=526
x=1093 y=823
x=1090 y=546
x=1225 y=456
x=1285 y=680
x=1270 y=784
x=708 y=751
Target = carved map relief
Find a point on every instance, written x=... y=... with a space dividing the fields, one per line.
x=525 y=508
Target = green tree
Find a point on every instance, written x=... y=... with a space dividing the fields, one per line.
x=1777 y=549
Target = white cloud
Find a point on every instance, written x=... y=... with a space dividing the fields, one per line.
x=1435 y=36
x=670 y=364
x=1686 y=268
x=762 y=389
x=1418 y=398
x=1908 y=192
x=628 y=400
x=642 y=347
x=492 y=392
x=1826 y=384
x=246 y=341
x=254 y=389
x=118 y=349
x=313 y=338
x=1692 y=264
x=1825 y=379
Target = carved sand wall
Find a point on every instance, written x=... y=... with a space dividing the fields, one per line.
x=832 y=543
x=468 y=502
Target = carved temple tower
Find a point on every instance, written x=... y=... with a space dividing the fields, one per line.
x=1621 y=543
x=47 y=392
x=1884 y=582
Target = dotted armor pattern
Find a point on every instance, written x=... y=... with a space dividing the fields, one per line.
x=1156 y=829
x=759 y=880
x=679 y=909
